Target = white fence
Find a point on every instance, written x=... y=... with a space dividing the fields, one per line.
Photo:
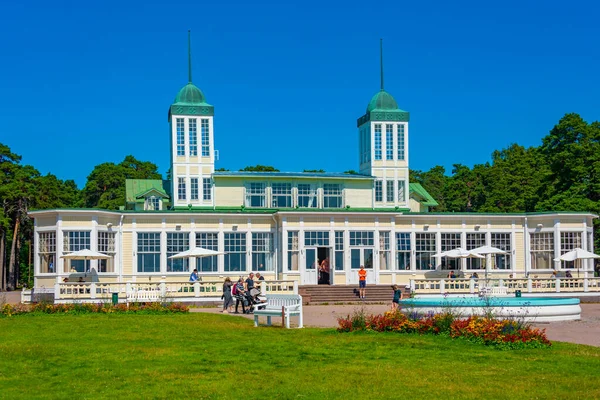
x=184 y=291
x=529 y=285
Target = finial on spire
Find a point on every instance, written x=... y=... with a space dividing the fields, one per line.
x=189 y=57
x=380 y=60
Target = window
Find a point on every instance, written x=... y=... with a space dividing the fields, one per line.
x=384 y=251
x=542 y=250
x=307 y=195
x=262 y=250
x=401 y=191
x=332 y=195
x=75 y=241
x=208 y=241
x=193 y=134
x=180 y=137
x=181 y=189
x=424 y=250
x=339 y=250
x=378 y=154
x=378 y=190
x=153 y=203
x=389 y=192
x=205 y=137
x=106 y=245
x=206 y=189
x=569 y=241
x=450 y=241
x=194 y=188
x=400 y=138
x=292 y=251
x=403 y=251
x=148 y=252
x=176 y=243
x=475 y=240
x=235 y=252
x=255 y=194
x=47 y=252
x=389 y=142
x=502 y=241
x=316 y=238
x=361 y=238
x=281 y=195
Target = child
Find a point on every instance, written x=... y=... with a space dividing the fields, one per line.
x=397 y=298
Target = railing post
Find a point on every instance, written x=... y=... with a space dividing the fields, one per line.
x=442 y=286
x=529 y=285
x=557 y=284
x=92 y=290
x=56 y=291
x=196 y=289
x=263 y=287
x=295 y=287
x=472 y=286
x=163 y=288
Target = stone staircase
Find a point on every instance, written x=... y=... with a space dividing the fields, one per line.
x=343 y=294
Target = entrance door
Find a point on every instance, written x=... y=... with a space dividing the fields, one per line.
x=309 y=272
x=324 y=275
x=361 y=256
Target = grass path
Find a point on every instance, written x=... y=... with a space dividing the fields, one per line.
x=217 y=356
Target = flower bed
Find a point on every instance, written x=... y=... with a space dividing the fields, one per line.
x=501 y=333
x=8 y=310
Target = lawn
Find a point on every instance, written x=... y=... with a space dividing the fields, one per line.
x=218 y=356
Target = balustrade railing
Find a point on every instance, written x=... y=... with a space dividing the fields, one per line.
x=169 y=291
x=525 y=285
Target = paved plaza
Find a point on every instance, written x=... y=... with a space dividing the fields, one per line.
x=584 y=331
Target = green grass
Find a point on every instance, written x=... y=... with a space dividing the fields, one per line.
x=217 y=356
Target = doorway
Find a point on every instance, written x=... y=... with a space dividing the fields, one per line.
x=324 y=272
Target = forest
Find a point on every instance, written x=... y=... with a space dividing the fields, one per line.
x=561 y=174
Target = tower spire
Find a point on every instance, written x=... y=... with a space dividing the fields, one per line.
x=380 y=61
x=190 y=57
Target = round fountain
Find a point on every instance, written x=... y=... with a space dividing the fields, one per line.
x=529 y=309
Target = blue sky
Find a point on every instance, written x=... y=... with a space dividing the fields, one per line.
x=82 y=83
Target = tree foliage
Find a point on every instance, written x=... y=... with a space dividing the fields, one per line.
x=105 y=187
x=259 y=168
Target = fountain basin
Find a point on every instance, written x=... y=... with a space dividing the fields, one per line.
x=530 y=309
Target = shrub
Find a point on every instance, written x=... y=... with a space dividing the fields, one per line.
x=8 y=310
x=503 y=334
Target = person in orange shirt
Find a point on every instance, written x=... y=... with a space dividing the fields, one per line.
x=362 y=281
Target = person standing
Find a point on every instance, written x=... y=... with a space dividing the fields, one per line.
x=397 y=298
x=240 y=295
x=227 y=297
x=362 y=281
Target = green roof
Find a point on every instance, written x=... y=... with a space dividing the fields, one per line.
x=137 y=189
x=420 y=191
x=190 y=95
x=382 y=101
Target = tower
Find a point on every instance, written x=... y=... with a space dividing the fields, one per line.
x=192 y=145
x=383 y=147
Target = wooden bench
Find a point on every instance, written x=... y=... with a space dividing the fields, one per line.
x=494 y=291
x=143 y=296
x=280 y=305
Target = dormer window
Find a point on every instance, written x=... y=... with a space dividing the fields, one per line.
x=153 y=203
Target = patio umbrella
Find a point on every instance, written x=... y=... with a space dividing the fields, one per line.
x=459 y=252
x=197 y=252
x=577 y=255
x=488 y=250
x=85 y=254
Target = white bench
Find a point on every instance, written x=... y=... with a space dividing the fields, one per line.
x=494 y=291
x=280 y=305
x=143 y=296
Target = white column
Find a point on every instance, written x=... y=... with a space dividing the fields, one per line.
x=556 y=242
